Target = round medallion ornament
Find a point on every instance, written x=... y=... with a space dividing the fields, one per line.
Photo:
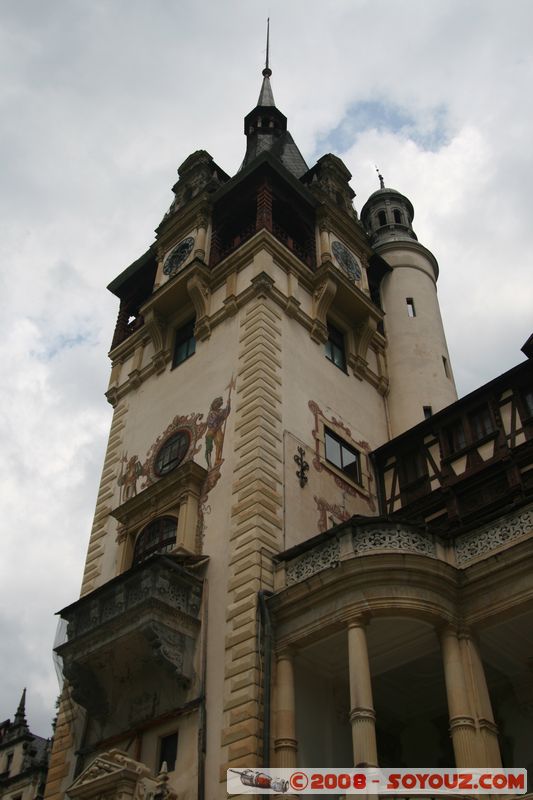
x=177 y=257
x=347 y=260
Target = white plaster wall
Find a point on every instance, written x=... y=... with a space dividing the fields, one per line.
x=415 y=346
x=309 y=375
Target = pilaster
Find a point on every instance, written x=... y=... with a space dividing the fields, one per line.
x=101 y=522
x=256 y=520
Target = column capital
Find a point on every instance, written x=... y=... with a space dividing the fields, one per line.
x=287 y=652
x=358 y=620
x=447 y=629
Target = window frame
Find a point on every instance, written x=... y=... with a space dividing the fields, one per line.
x=477 y=423
x=160 y=758
x=155 y=549
x=340 y=468
x=182 y=432
x=336 y=343
x=184 y=335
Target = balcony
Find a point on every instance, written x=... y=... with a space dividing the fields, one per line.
x=133 y=637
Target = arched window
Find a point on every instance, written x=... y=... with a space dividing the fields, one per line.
x=398 y=216
x=382 y=218
x=159 y=536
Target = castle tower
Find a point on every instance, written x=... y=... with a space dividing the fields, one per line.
x=253 y=380
x=420 y=372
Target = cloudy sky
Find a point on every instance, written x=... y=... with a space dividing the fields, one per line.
x=101 y=100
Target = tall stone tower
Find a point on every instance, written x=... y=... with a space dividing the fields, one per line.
x=420 y=372
x=267 y=343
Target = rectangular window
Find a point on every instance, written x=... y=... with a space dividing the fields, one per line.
x=168 y=750
x=446 y=367
x=528 y=401
x=428 y=412
x=184 y=343
x=9 y=762
x=335 y=350
x=480 y=422
x=342 y=456
x=410 y=307
x=413 y=467
x=455 y=438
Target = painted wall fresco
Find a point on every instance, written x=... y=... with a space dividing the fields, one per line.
x=211 y=431
x=332 y=510
x=217 y=419
x=329 y=514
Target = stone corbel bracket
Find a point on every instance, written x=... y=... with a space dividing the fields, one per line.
x=200 y=295
x=155 y=327
x=322 y=299
x=363 y=335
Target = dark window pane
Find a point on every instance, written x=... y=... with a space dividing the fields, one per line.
x=172 y=452
x=455 y=437
x=528 y=401
x=414 y=466
x=481 y=422
x=342 y=456
x=184 y=343
x=335 y=350
x=168 y=752
x=158 y=537
x=333 y=451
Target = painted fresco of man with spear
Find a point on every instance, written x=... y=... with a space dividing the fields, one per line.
x=216 y=427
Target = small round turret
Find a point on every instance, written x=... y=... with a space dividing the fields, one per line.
x=420 y=375
x=388 y=216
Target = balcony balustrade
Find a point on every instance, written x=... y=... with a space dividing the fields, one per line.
x=139 y=628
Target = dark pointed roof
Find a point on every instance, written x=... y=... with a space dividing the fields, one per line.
x=20 y=715
x=266 y=98
x=266 y=131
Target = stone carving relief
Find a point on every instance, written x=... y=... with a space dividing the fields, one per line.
x=115 y=774
x=394 y=538
x=313 y=561
x=493 y=537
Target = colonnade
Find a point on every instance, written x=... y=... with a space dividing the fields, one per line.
x=472 y=728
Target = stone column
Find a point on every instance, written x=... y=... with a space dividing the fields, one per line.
x=201 y=234
x=362 y=715
x=488 y=730
x=285 y=744
x=462 y=725
x=325 y=254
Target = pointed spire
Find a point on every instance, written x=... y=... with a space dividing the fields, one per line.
x=266 y=98
x=265 y=127
x=20 y=716
x=267 y=72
